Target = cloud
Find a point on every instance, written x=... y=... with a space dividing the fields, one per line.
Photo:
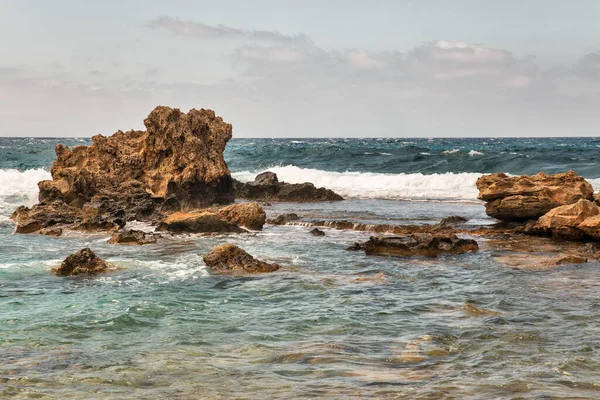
x=177 y=26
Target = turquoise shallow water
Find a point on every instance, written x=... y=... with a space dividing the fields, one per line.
x=332 y=324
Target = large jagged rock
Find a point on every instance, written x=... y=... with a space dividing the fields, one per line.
x=248 y=215
x=228 y=258
x=177 y=164
x=520 y=198
x=267 y=187
x=573 y=221
x=85 y=261
x=201 y=222
x=424 y=244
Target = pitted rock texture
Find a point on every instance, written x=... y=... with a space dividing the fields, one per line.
x=177 y=164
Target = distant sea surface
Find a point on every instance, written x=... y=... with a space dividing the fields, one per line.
x=335 y=324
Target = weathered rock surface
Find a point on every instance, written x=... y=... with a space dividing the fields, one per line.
x=266 y=187
x=428 y=245
x=452 y=221
x=85 y=261
x=133 y=237
x=201 y=222
x=177 y=164
x=248 y=215
x=229 y=258
x=520 y=198
x=573 y=221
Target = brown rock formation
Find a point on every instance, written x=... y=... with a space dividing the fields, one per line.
x=82 y=262
x=133 y=237
x=283 y=219
x=519 y=198
x=428 y=245
x=202 y=222
x=229 y=258
x=266 y=187
x=573 y=221
x=176 y=164
x=248 y=215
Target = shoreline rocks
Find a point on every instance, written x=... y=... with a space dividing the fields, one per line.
x=230 y=259
x=177 y=164
x=247 y=215
x=267 y=187
x=573 y=222
x=133 y=237
x=84 y=262
x=525 y=197
x=427 y=245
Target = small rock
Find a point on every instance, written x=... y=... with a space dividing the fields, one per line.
x=248 y=215
x=82 y=262
x=266 y=178
x=133 y=237
x=229 y=258
x=452 y=220
x=317 y=232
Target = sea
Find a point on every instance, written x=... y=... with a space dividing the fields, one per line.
x=332 y=324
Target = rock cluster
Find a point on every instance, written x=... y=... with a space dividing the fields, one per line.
x=521 y=198
x=177 y=164
x=197 y=222
x=85 y=261
x=267 y=187
x=574 y=221
x=228 y=258
x=133 y=237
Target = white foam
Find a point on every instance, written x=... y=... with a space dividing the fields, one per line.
x=453 y=151
x=475 y=153
x=446 y=186
x=19 y=187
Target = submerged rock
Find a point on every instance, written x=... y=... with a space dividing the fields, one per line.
x=177 y=164
x=266 y=187
x=317 y=232
x=451 y=221
x=84 y=261
x=520 y=198
x=429 y=245
x=202 y=222
x=229 y=258
x=133 y=237
x=248 y=215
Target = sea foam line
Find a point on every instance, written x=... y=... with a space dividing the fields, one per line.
x=446 y=186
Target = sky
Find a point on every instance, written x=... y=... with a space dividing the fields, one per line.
x=305 y=68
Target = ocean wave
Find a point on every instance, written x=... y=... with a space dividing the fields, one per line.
x=446 y=186
x=475 y=153
x=18 y=187
x=453 y=151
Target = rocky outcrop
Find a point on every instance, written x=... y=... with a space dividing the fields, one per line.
x=267 y=187
x=230 y=259
x=520 y=198
x=82 y=262
x=177 y=164
x=133 y=237
x=428 y=245
x=573 y=221
x=248 y=215
x=201 y=222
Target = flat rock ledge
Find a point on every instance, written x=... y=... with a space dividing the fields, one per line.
x=528 y=197
x=84 y=262
x=201 y=222
x=267 y=187
x=428 y=245
x=230 y=259
x=133 y=237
